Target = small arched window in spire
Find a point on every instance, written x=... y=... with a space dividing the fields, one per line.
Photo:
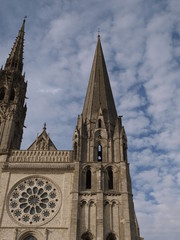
x=99 y=123
x=12 y=95
x=2 y=93
x=88 y=179
x=124 y=152
x=99 y=152
x=75 y=151
x=110 y=178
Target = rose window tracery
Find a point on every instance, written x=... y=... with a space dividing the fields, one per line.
x=34 y=200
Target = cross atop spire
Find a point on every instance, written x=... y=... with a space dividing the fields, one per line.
x=15 y=59
x=99 y=93
x=98 y=32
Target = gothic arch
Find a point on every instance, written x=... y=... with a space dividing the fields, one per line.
x=115 y=202
x=87 y=178
x=91 y=202
x=100 y=145
x=106 y=202
x=109 y=178
x=83 y=202
x=31 y=235
x=75 y=144
x=75 y=151
x=123 y=145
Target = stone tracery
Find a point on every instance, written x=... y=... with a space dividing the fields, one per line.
x=34 y=200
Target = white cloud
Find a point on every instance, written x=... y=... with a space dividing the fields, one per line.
x=141 y=43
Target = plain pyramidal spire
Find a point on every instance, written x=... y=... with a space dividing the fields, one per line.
x=99 y=93
x=15 y=59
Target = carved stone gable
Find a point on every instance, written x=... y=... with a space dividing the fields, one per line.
x=43 y=142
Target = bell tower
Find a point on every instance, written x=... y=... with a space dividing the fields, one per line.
x=12 y=96
x=105 y=207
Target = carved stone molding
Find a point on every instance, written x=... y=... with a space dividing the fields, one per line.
x=20 y=165
x=112 y=194
x=85 y=193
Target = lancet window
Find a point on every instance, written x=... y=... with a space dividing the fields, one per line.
x=75 y=150
x=88 y=179
x=99 y=152
x=110 y=178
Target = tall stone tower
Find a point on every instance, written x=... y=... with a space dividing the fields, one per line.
x=50 y=194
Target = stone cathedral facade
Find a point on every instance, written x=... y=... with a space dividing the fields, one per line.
x=50 y=194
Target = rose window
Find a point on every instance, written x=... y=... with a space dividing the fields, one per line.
x=34 y=200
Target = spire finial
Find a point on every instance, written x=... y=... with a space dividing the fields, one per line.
x=44 y=128
x=98 y=32
x=24 y=18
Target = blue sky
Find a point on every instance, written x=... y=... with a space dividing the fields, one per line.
x=141 y=44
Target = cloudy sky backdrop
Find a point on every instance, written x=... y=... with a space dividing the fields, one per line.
x=141 y=44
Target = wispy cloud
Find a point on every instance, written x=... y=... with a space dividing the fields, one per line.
x=141 y=43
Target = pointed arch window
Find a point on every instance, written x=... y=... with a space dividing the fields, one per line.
x=110 y=178
x=75 y=151
x=88 y=179
x=124 y=152
x=99 y=152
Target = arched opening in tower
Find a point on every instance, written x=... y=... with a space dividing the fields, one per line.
x=88 y=179
x=99 y=153
x=110 y=178
x=75 y=151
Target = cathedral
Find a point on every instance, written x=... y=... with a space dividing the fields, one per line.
x=50 y=194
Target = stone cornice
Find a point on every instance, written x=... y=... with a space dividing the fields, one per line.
x=22 y=165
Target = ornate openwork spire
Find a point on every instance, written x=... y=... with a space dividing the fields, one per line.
x=99 y=93
x=15 y=59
